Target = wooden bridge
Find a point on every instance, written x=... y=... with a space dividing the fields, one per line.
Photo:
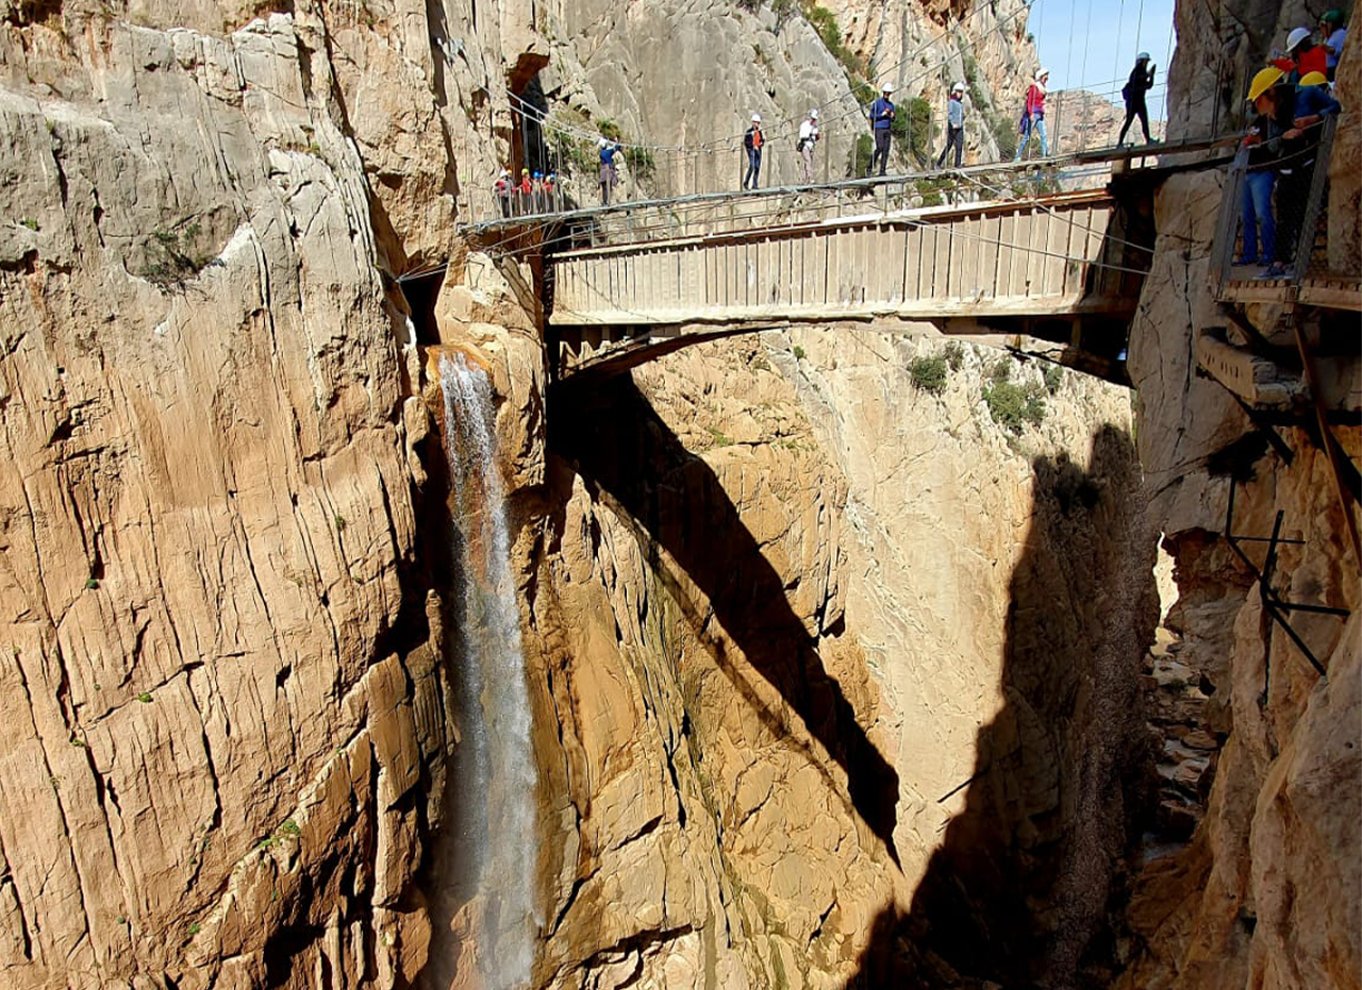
x=1057 y=252
x=987 y=267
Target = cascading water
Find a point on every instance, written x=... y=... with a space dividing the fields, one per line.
x=498 y=778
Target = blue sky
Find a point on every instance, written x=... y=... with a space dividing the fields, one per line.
x=1107 y=29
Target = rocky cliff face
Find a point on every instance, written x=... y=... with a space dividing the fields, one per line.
x=685 y=81
x=1267 y=892
x=831 y=752
x=224 y=732
x=833 y=675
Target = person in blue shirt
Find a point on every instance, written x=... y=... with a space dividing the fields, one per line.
x=955 y=126
x=609 y=172
x=1311 y=103
x=1333 y=32
x=881 y=120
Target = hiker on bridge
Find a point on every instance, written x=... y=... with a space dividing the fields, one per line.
x=881 y=122
x=1333 y=32
x=753 y=141
x=808 y=138
x=955 y=126
x=524 y=193
x=1033 y=116
x=1141 y=81
x=609 y=175
x=503 y=190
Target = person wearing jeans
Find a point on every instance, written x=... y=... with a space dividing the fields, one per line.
x=955 y=126
x=1033 y=116
x=753 y=141
x=882 y=113
x=1256 y=207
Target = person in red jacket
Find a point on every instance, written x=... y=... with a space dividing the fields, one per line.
x=1033 y=117
x=1302 y=56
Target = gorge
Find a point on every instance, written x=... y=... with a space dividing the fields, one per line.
x=350 y=645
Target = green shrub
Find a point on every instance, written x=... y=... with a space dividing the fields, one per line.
x=858 y=158
x=1014 y=406
x=640 y=162
x=1001 y=371
x=145 y=697
x=928 y=373
x=955 y=354
x=912 y=129
x=1004 y=135
x=798 y=353
x=1054 y=377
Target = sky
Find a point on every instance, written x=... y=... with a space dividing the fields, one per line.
x=1104 y=32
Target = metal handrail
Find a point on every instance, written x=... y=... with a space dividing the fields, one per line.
x=1227 y=227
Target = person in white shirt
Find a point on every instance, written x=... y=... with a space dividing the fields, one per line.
x=808 y=137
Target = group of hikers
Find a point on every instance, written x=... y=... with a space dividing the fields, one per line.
x=536 y=192
x=1292 y=96
x=1291 y=90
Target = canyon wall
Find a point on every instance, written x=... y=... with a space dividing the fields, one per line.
x=1267 y=892
x=815 y=718
x=223 y=674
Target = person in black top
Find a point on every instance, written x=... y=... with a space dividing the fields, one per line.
x=1140 y=82
x=753 y=141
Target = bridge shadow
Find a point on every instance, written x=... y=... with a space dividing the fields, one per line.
x=1019 y=891
x=631 y=460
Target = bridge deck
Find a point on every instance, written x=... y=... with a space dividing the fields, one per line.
x=1059 y=255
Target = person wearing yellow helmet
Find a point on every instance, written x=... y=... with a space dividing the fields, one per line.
x=1262 y=145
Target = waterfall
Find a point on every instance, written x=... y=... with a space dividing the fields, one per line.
x=498 y=779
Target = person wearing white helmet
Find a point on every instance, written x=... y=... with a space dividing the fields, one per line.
x=881 y=121
x=753 y=141
x=955 y=125
x=1302 y=56
x=1033 y=116
x=1141 y=81
x=503 y=188
x=609 y=173
x=808 y=138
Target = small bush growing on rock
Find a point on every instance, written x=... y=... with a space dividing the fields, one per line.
x=1013 y=406
x=1001 y=371
x=955 y=355
x=858 y=159
x=172 y=257
x=798 y=353
x=91 y=583
x=194 y=928
x=1054 y=377
x=928 y=373
x=145 y=697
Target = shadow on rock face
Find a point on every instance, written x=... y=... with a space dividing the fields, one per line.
x=631 y=460
x=1019 y=891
